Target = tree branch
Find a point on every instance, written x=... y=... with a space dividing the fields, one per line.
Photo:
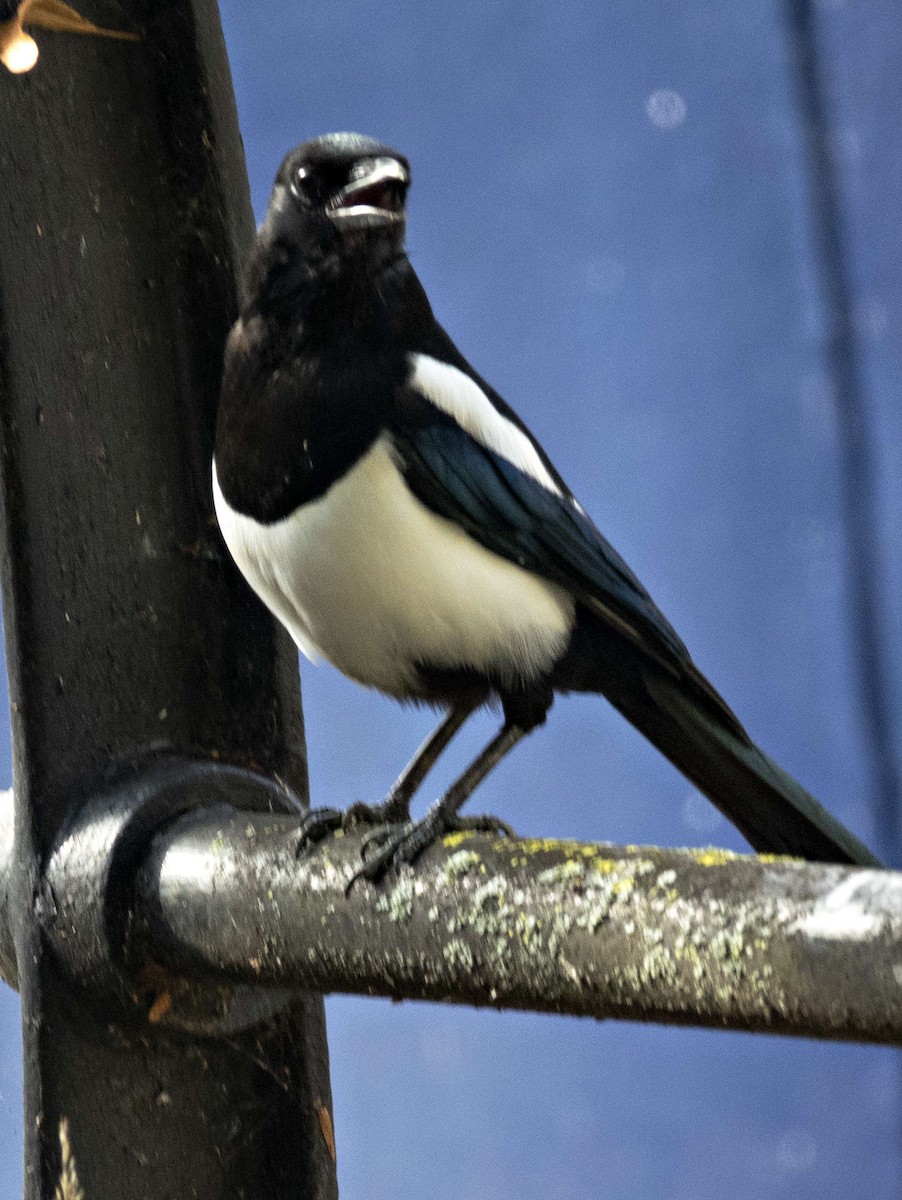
x=692 y=937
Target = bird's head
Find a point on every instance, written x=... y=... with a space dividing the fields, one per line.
x=342 y=194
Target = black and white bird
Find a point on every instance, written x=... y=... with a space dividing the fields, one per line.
x=397 y=516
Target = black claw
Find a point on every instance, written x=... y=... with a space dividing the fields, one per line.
x=316 y=825
x=479 y=824
x=404 y=846
x=320 y=822
x=401 y=845
x=390 y=838
x=381 y=834
x=400 y=848
x=386 y=813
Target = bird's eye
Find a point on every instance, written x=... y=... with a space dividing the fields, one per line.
x=307 y=186
x=315 y=185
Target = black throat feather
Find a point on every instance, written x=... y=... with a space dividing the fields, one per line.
x=312 y=368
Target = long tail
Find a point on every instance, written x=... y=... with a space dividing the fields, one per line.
x=690 y=724
x=763 y=801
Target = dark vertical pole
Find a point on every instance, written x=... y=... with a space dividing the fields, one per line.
x=859 y=502
x=124 y=213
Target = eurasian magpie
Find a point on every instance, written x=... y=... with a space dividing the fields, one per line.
x=400 y=519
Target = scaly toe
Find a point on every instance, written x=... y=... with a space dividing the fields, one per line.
x=399 y=848
x=389 y=838
x=317 y=824
x=480 y=824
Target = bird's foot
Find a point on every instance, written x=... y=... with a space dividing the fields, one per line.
x=403 y=844
x=482 y=823
x=315 y=825
x=320 y=822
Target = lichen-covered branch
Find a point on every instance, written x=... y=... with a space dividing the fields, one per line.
x=699 y=937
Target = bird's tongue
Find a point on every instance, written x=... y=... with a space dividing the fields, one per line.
x=384 y=194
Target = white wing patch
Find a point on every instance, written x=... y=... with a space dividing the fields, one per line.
x=461 y=398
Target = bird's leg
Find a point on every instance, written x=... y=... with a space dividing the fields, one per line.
x=404 y=845
x=396 y=806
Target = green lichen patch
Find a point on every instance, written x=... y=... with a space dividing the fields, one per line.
x=399 y=901
x=460 y=864
x=568 y=870
x=458 y=954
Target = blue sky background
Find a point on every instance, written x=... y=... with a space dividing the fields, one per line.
x=610 y=213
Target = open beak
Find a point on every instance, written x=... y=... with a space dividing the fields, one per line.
x=374 y=197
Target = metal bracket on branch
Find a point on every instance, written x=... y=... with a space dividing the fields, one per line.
x=88 y=894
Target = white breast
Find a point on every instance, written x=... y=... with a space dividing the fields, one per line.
x=369 y=578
